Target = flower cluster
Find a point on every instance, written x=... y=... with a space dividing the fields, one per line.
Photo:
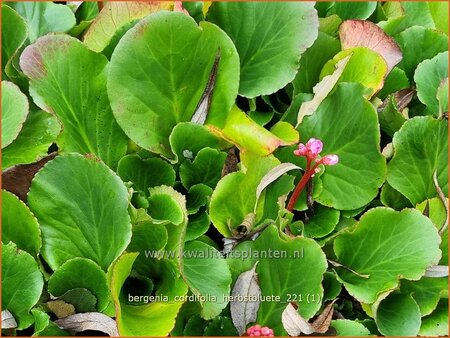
x=258 y=331
x=310 y=151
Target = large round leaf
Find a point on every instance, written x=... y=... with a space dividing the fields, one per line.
x=269 y=37
x=19 y=225
x=386 y=245
x=348 y=126
x=22 y=284
x=69 y=80
x=81 y=206
x=14 y=112
x=159 y=72
x=421 y=148
x=428 y=76
x=37 y=134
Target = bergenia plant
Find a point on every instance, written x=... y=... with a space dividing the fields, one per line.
x=224 y=168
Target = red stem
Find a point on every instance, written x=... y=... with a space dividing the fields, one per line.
x=301 y=185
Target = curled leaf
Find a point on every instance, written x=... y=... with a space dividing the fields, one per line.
x=89 y=321
x=293 y=323
x=245 y=312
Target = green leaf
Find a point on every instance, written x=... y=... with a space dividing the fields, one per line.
x=37 y=135
x=439 y=12
x=345 y=186
x=82 y=299
x=428 y=76
x=145 y=173
x=153 y=319
x=80 y=273
x=188 y=138
x=386 y=245
x=365 y=67
x=14 y=112
x=331 y=286
x=207 y=274
x=312 y=62
x=44 y=17
x=248 y=135
x=19 y=225
x=235 y=195
x=95 y=223
x=154 y=105
x=345 y=327
x=278 y=274
x=419 y=44
x=44 y=327
x=22 y=284
x=354 y=10
x=115 y=16
x=198 y=225
x=398 y=315
x=206 y=168
x=436 y=324
x=14 y=34
x=54 y=64
x=167 y=205
x=391 y=119
x=269 y=37
x=412 y=14
x=322 y=222
x=390 y=197
x=395 y=81
x=421 y=148
x=426 y=292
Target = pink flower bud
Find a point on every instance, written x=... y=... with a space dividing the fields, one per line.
x=330 y=159
x=314 y=146
x=301 y=151
x=258 y=331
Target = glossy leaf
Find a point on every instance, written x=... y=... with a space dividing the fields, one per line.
x=411 y=169
x=56 y=65
x=80 y=273
x=44 y=17
x=365 y=67
x=398 y=315
x=19 y=225
x=113 y=17
x=207 y=274
x=14 y=34
x=145 y=173
x=22 y=284
x=428 y=76
x=378 y=235
x=38 y=133
x=95 y=223
x=344 y=186
x=154 y=105
x=349 y=328
x=14 y=112
x=269 y=55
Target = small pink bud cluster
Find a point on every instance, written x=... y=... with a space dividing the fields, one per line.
x=312 y=149
x=258 y=331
